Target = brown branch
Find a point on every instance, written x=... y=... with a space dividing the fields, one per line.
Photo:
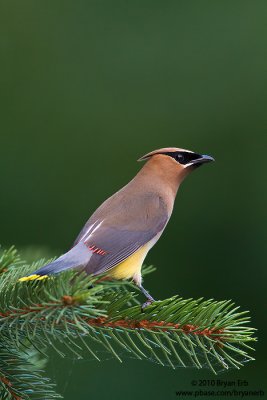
x=8 y=385
x=152 y=325
x=104 y=322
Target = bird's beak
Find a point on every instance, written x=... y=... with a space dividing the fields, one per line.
x=201 y=160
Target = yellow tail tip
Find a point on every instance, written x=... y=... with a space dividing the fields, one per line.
x=32 y=278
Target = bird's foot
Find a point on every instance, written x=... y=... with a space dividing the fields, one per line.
x=146 y=304
x=148 y=296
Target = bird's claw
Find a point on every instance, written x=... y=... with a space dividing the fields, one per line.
x=146 y=304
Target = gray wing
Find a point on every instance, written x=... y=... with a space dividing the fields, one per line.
x=121 y=232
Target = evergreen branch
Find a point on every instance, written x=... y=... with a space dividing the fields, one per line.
x=20 y=377
x=84 y=312
x=8 y=258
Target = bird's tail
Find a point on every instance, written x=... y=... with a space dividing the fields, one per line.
x=77 y=257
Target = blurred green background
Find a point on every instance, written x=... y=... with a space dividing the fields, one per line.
x=87 y=87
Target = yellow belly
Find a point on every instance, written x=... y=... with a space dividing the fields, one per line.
x=131 y=266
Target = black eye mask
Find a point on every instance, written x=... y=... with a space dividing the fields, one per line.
x=183 y=157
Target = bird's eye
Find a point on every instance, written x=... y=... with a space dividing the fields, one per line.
x=180 y=158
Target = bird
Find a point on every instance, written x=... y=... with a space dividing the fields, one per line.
x=117 y=237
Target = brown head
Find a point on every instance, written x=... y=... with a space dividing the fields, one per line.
x=174 y=164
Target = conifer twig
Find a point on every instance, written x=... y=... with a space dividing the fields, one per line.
x=87 y=313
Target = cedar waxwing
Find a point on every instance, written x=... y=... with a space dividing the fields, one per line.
x=117 y=237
